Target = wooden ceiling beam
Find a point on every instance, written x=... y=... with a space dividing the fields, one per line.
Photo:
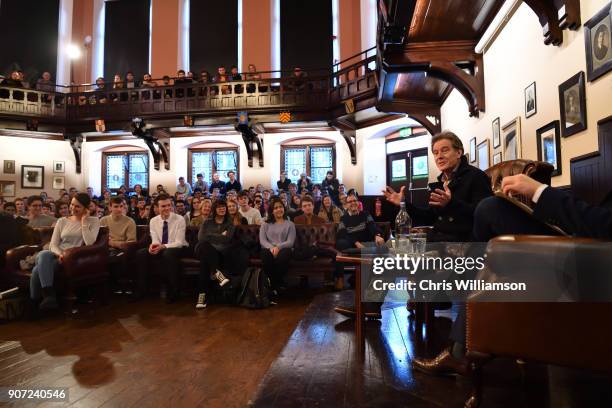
x=441 y=60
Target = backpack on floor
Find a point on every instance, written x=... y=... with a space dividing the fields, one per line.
x=255 y=290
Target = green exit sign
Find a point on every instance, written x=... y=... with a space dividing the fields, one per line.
x=405 y=132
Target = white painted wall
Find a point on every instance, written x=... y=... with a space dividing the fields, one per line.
x=519 y=57
x=38 y=152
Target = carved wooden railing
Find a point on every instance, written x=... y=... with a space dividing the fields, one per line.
x=316 y=93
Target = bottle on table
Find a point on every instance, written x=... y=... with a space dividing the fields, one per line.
x=403 y=223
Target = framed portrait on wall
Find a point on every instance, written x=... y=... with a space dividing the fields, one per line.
x=483 y=155
x=511 y=140
x=9 y=167
x=572 y=104
x=7 y=188
x=531 y=102
x=598 y=43
x=496 y=138
x=59 y=167
x=549 y=145
x=32 y=176
x=472 y=156
x=58 y=182
x=497 y=158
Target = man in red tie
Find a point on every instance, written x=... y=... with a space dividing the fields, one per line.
x=168 y=245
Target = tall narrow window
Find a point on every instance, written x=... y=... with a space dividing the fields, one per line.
x=126 y=37
x=209 y=161
x=306 y=35
x=125 y=169
x=29 y=30
x=314 y=161
x=213 y=33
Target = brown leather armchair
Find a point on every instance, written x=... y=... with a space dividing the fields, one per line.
x=566 y=334
x=82 y=266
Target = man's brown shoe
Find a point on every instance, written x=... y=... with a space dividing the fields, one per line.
x=443 y=364
x=339 y=283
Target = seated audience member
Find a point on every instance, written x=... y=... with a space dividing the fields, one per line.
x=35 y=215
x=148 y=82
x=69 y=232
x=181 y=79
x=44 y=84
x=168 y=245
x=204 y=77
x=160 y=189
x=20 y=206
x=222 y=77
x=357 y=229
x=235 y=76
x=11 y=210
x=200 y=183
x=495 y=216
x=61 y=209
x=459 y=189
x=234 y=214
x=47 y=209
x=141 y=215
x=216 y=183
x=308 y=217
x=232 y=183
x=121 y=228
x=283 y=183
x=215 y=250
x=118 y=84
x=180 y=208
x=99 y=93
x=276 y=236
x=304 y=183
x=182 y=187
x=139 y=191
x=295 y=207
x=93 y=208
x=299 y=76
x=329 y=211
x=251 y=214
x=293 y=189
x=259 y=205
x=331 y=186
x=252 y=75
x=200 y=211
x=166 y=82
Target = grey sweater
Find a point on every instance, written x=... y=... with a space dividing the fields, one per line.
x=69 y=234
x=280 y=235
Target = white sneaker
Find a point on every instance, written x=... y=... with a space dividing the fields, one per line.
x=221 y=278
x=201 y=301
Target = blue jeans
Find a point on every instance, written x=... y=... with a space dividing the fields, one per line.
x=43 y=273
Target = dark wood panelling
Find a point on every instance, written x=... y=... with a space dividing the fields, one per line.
x=592 y=173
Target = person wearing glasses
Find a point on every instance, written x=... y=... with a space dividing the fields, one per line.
x=35 y=216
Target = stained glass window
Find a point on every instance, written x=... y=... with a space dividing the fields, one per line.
x=315 y=161
x=126 y=169
x=207 y=162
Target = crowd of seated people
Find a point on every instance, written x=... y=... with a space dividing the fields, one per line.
x=216 y=208
x=105 y=91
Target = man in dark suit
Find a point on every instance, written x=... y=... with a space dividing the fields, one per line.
x=495 y=216
x=459 y=189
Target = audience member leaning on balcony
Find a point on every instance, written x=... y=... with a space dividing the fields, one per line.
x=253 y=75
x=452 y=204
x=69 y=232
x=118 y=84
x=14 y=81
x=44 y=84
x=277 y=237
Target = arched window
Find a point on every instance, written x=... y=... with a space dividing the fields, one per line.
x=125 y=166
x=213 y=157
x=315 y=157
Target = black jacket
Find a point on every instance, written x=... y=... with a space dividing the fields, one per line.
x=573 y=216
x=454 y=222
x=233 y=186
x=331 y=187
x=283 y=185
x=217 y=184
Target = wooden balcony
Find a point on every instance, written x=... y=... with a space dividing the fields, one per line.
x=309 y=98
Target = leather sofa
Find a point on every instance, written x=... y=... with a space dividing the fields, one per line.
x=82 y=266
x=565 y=334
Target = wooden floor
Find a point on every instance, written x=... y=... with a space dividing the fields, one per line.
x=319 y=367
x=150 y=354
x=297 y=354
